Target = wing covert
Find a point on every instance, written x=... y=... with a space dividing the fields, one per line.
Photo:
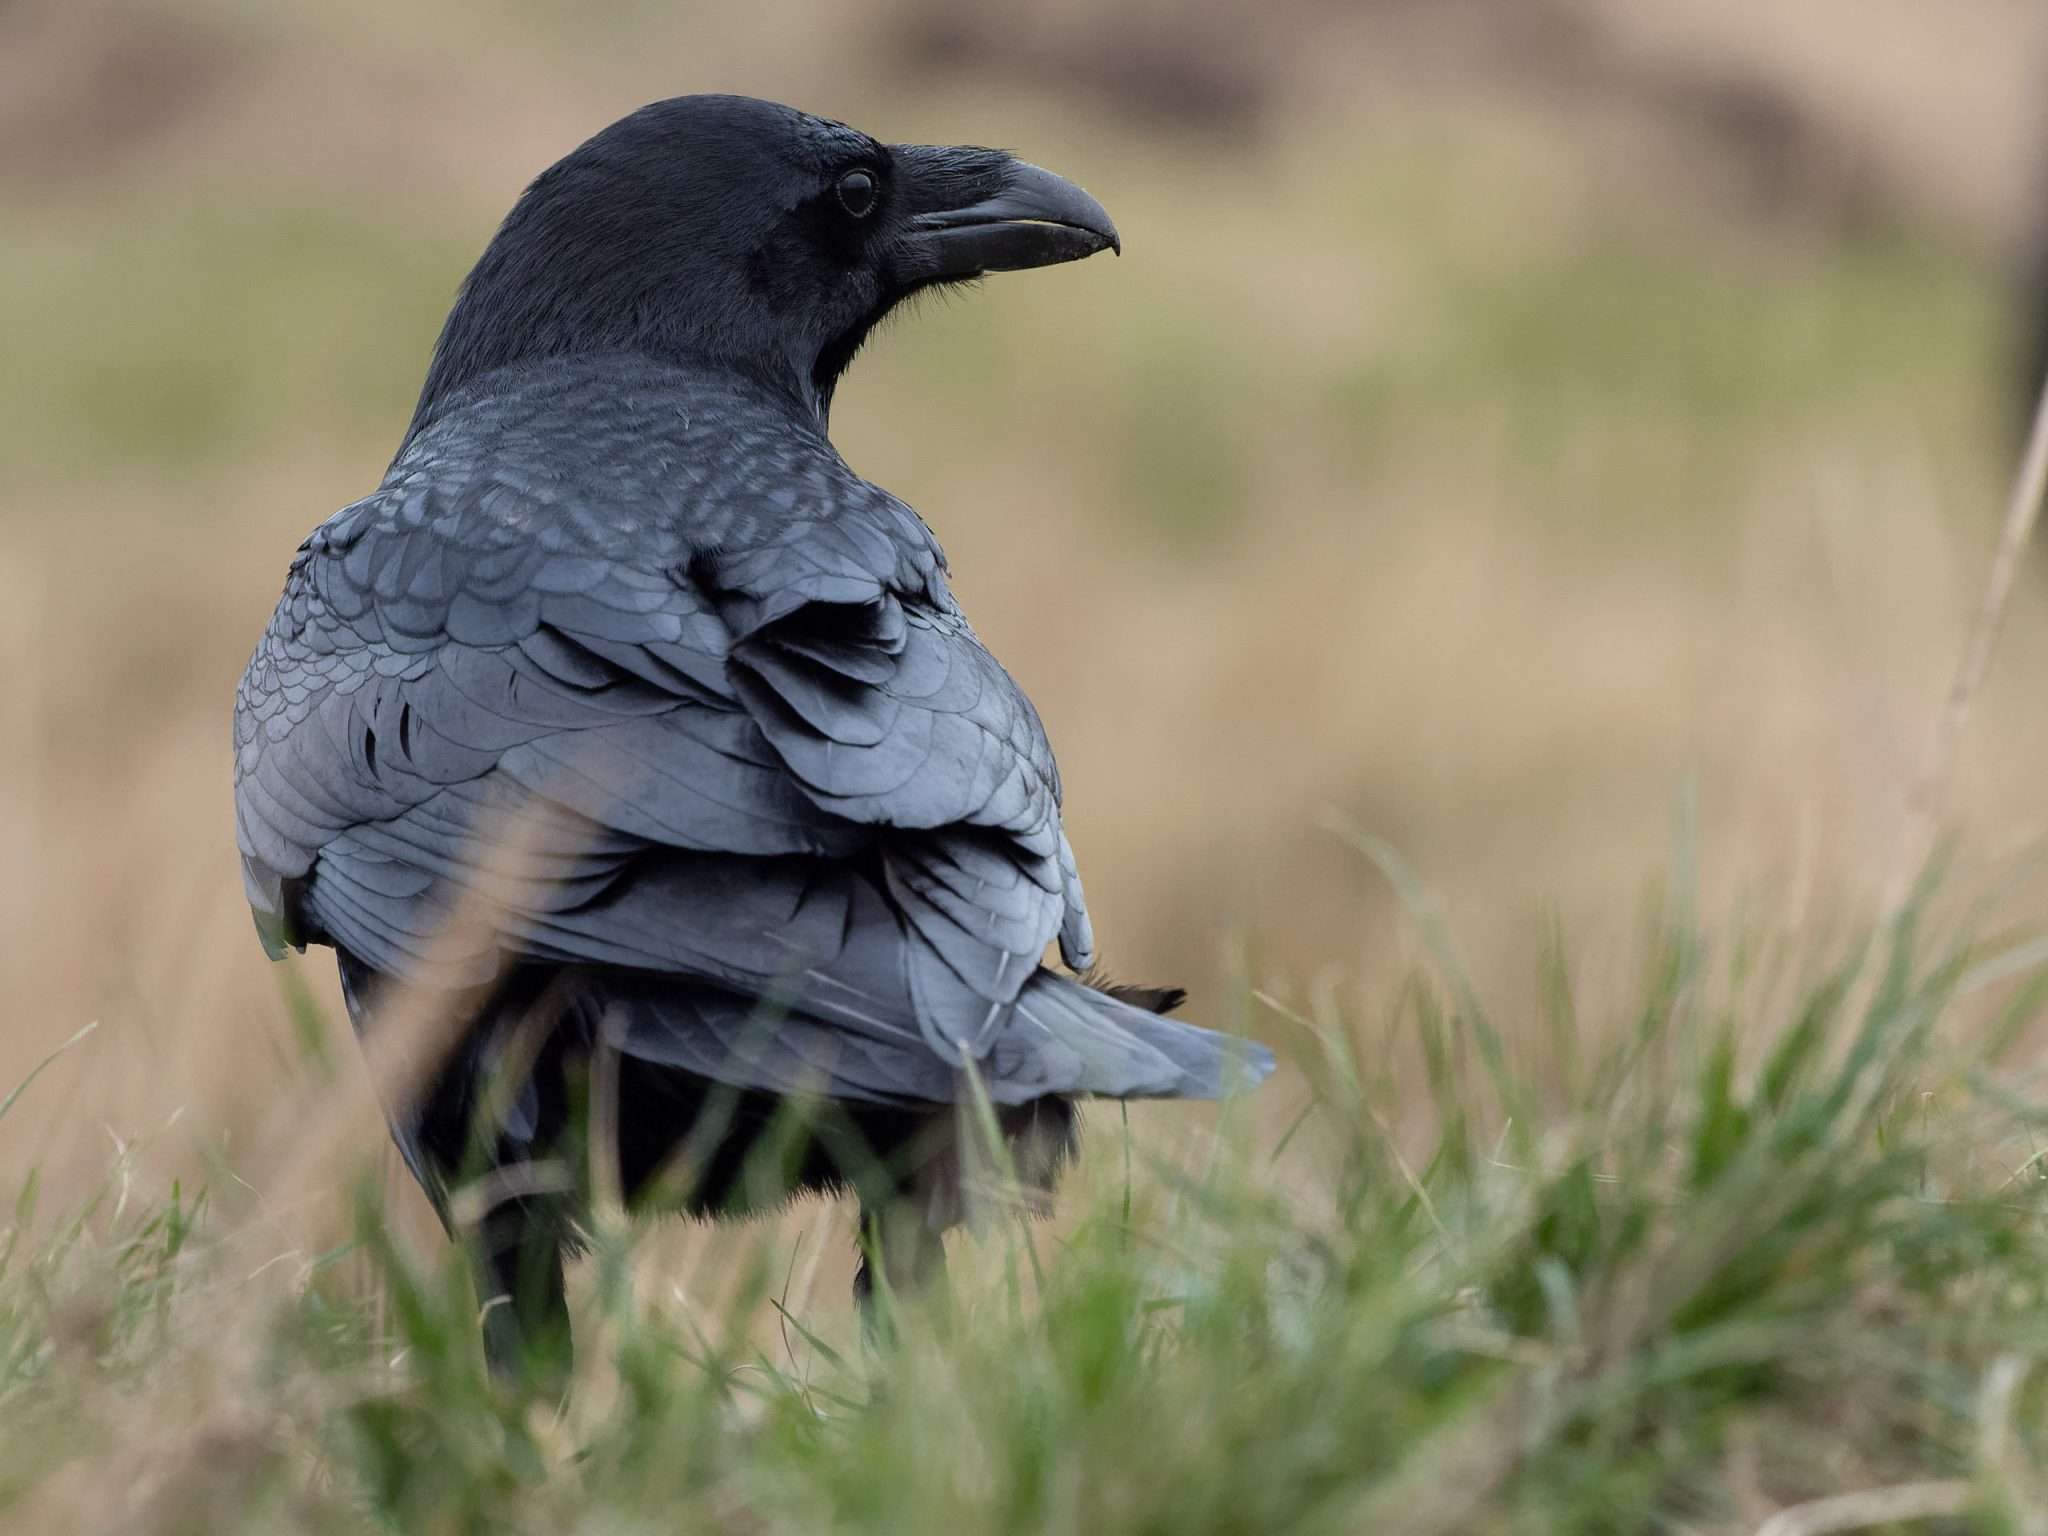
x=791 y=719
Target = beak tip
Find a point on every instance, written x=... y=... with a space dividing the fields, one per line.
x=1032 y=219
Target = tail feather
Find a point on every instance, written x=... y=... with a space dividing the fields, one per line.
x=1067 y=1036
x=1075 y=1037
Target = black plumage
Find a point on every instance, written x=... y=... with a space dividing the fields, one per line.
x=782 y=832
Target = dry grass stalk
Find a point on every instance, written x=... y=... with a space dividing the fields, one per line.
x=1923 y=806
x=1877 y=1506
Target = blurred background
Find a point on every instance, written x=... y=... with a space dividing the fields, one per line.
x=1510 y=420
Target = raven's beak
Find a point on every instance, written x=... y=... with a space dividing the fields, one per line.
x=1031 y=218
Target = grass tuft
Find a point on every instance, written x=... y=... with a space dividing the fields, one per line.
x=1768 y=1252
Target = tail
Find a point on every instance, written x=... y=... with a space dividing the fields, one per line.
x=1087 y=1036
x=1065 y=1036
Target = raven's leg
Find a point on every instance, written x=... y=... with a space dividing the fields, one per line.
x=517 y=1248
x=912 y=1257
x=517 y=1255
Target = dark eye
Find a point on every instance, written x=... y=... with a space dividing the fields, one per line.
x=857 y=193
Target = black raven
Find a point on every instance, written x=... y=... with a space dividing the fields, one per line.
x=784 y=832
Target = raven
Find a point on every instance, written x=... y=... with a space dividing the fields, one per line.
x=632 y=726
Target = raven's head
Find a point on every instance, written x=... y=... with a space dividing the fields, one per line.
x=743 y=233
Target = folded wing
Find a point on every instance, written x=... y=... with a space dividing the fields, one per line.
x=784 y=768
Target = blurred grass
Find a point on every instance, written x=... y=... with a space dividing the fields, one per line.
x=1772 y=1232
x=1694 y=365
x=182 y=337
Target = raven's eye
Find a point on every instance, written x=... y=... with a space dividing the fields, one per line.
x=857 y=193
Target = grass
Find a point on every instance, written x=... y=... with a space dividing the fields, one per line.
x=186 y=334
x=1769 y=1232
